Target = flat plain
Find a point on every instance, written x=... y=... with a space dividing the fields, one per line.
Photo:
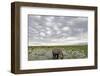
x=69 y=51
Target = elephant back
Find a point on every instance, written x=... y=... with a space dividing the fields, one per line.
x=57 y=51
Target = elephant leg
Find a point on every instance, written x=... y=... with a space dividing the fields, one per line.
x=57 y=56
x=61 y=56
x=54 y=56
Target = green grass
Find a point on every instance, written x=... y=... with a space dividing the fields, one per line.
x=45 y=52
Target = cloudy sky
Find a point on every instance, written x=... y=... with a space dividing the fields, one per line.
x=57 y=29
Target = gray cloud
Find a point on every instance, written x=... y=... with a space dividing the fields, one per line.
x=52 y=28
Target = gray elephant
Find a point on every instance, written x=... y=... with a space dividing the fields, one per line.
x=57 y=54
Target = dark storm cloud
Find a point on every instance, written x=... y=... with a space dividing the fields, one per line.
x=46 y=28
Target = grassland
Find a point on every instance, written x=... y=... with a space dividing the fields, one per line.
x=69 y=51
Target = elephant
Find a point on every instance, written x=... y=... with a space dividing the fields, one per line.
x=57 y=54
